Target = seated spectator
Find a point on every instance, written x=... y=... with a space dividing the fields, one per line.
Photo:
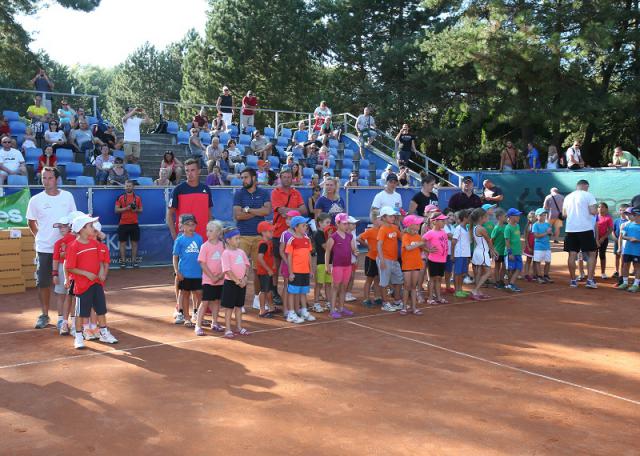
x=104 y=162
x=67 y=116
x=118 y=175
x=224 y=162
x=319 y=114
x=11 y=160
x=296 y=173
x=235 y=156
x=312 y=159
x=80 y=115
x=326 y=175
x=48 y=159
x=353 y=180
x=163 y=178
x=262 y=173
x=200 y=120
x=403 y=176
x=622 y=159
x=214 y=150
x=323 y=158
x=327 y=131
x=552 y=158
x=387 y=170
x=574 y=156
x=316 y=193
x=29 y=140
x=196 y=149
x=173 y=165
x=315 y=181
x=55 y=137
x=261 y=146
x=4 y=127
x=218 y=125
x=108 y=137
x=83 y=141
x=215 y=177
x=301 y=135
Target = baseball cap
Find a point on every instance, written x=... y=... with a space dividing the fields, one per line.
x=513 y=211
x=488 y=206
x=389 y=167
x=62 y=221
x=342 y=218
x=440 y=217
x=431 y=208
x=74 y=214
x=264 y=226
x=261 y=163
x=293 y=214
x=467 y=179
x=352 y=220
x=97 y=226
x=582 y=182
x=297 y=220
x=412 y=220
x=541 y=210
x=388 y=210
x=184 y=218
x=635 y=210
x=391 y=177
x=80 y=222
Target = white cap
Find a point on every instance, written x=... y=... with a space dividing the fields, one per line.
x=388 y=210
x=72 y=215
x=80 y=222
x=97 y=226
x=389 y=166
x=62 y=221
x=352 y=219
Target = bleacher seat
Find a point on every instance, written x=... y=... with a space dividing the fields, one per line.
x=85 y=180
x=144 y=181
x=347 y=163
x=300 y=136
x=381 y=182
x=281 y=152
x=236 y=182
x=249 y=130
x=345 y=173
x=379 y=173
x=205 y=138
x=233 y=130
x=19 y=139
x=306 y=181
x=333 y=143
x=244 y=140
x=308 y=172
x=363 y=182
x=17 y=127
x=364 y=166
x=286 y=132
x=275 y=163
x=133 y=170
x=172 y=127
x=187 y=127
x=16 y=179
x=183 y=137
x=269 y=132
x=11 y=115
x=92 y=120
x=224 y=138
x=297 y=153
x=73 y=170
x=64 y=156
x=118 y=154
x=282 y=141
x=332 y=161
x=348 y=153
x=31 y=156
x=252 y=161
x=333 y=153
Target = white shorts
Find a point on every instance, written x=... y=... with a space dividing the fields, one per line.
x=227 y=117
x=60 y=289
x=542 y=256
x=481 y=258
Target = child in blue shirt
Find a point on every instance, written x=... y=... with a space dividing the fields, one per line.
x=542 y=246
x=616 y=234
x=630 y=233
x=186 y=249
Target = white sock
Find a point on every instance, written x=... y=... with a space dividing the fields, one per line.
x=93 y=325
x=625 y=280
x=60 y=318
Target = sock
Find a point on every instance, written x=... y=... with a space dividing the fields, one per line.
x=60 y=318
x=636 y=283
x=625 y=280
x=86 y=326
x=93 y=325
x=103 y=329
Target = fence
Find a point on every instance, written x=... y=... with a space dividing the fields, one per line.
x=19 y=100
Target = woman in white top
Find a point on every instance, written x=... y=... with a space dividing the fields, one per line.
x=552 y=157
x=104 y=162
x=54 y=136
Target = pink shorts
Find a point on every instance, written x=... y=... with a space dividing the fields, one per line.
x=341 y=274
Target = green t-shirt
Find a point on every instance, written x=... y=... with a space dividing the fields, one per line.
x=512 y=233
x=489 y=226
x=497 y=236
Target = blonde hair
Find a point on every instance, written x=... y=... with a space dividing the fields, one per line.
x=215 y=226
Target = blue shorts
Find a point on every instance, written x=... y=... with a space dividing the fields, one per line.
x=299 y=284
x=635 y=259
x=515 y=264
x=461 y=265
x=448 y=266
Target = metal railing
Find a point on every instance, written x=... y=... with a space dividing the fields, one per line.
x=18 y=108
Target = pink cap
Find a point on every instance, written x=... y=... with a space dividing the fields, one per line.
x=430 y=208
x=293 y=214
x=440 y=217
x=342 y=218
x=412 y=220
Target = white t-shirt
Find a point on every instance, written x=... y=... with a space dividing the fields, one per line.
x=132 y=129
x=11 y=159
x=387 y=199
x=463 y=244
x=573 y=156
x=55 y=136
x=47 y=210
x=449 y=230
x=576 y=205
x=365 y=122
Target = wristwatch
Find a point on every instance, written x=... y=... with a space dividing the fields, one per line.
x=246 y=209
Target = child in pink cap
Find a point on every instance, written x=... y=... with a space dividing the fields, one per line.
x=412 y=264
x=437 y=243
x=340 y=246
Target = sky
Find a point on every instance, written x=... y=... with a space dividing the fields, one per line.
x=107 y=35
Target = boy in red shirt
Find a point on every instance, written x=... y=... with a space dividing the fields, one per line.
x=59 y=252
x=88 y=262
x=266 y=267
x=298 y=252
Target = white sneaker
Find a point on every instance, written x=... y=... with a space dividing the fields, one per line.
x=304 y=313
x=317 y=307
x=398 y=305
x=244 y=311
x=604 y=276
x=256 y=303
x=78 y=341
x=179 y=319
x=468 y=280
x=388 y=307
x=107 y=337
x=348 y=297
x=293 y=317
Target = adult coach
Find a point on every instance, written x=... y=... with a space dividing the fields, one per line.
x=491 y=193
x=128 y=206
x=424 y=197
x=388 y=196
x=580 y=210
x=284 y=198
x=43 y=211
x=250 y=206
x=466 y=199
x=553 y=204
x=131 y=125
x=190 y=197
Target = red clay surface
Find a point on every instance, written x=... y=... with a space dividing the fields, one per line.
x=549 y=371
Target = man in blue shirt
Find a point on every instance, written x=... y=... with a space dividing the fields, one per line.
x=533 y=156
x=250 y=206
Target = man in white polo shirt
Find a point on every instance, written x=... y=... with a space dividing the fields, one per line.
x=43 y=211
x=388 y=196
x=131 y=125
x=580 y=210
x=11 y=160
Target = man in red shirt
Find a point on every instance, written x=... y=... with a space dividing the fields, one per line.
x=284 y=198
x=190 y=197
x=128 y=205
x=249 y=105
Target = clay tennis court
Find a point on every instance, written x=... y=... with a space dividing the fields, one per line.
x=549 y=371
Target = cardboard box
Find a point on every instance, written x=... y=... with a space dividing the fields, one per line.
x=9 y=271
x=29 y=272
x=16 y=233
x=28 y=244
x=8 y=286
x=30 y=283
x=27 y=258
x=10 y=252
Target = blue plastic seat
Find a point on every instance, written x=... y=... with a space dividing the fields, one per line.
x=16 y=179
x=17 y=127
x=333 y=143
x=147 y=181
x=249 y=130
x=172 y=127
x=286 y=132
x=282 y=141
x=244 y=140
x=306 y=181
x=224 y=138
x=308 y=172
x=118 y=154
x=348 y=164
x=64 y=156
x=73 y=170
x=275 y=162
x=345 y=173
x=364 y=165
x=298 y=154
x=92 y=120
x=11 y=115
x=31 y=156
x=233 y=130
x=381 y=182
x=270 y=132
x=205 y=138
x=236 y=182
x=348 y=153
x=363 y=182
x=183 y=137
x=379 y=173
x=252 y=161
x=133 y=170
x=301 y=136
x=85 y=180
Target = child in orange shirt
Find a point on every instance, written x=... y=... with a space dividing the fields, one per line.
x=412 y=264
x=388 y=265
x=298 y=252
x=370 y=238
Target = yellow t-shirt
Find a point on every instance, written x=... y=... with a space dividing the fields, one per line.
x=37 y=111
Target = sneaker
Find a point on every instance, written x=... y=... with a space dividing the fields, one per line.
x=387 y=307
x=349 y=297
x=513 y=288
x=633 y=289
x=136 y=262
x=64 y=328
x=377 y=302
x=573 y=283
x=317 y=307
x=500 y=285
x=256 y=303
x=591 y=284
x=604 y=277
x=107 y=337
x=277 y=299
x=292 y=317
x=179 y=319
x=621 y=286
x=335 y=315
x=615 y=275
x=461 y=294
x=78 y=341
x=43 y=321
x=346 y=312
x=399 y=305
x=91 y=334
x=304 y=313
x=540 y=280
x=450 y=290
x=367 y=303
x=122 y=264
x=468 y=280
x=59 y=325
x=548 y=279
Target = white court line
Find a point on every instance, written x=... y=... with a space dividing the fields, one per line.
x=498 y=364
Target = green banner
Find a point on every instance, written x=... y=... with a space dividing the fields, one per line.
x=13 y=209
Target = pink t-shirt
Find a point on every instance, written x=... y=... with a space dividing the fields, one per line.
x=604 y=223
x=235 y=261
x=438 y=240
x=211 y=255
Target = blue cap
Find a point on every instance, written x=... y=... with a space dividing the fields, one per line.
x=488 y=206
x=513 y=211
x=635 y=210
x=541 y=210
x=297 y=220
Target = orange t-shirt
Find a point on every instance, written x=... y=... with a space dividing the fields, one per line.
x=411 y=259
x=129 y=217
x=389 y=236
x=370 y=235
x=300 y=249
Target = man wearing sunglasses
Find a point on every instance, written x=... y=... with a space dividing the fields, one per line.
x=11 y=160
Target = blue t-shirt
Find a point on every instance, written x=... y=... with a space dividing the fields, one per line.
x=187 y=248
x=332 y=208
x=543 y=242
x=616 y=226
x=533 y=153
x=632 y=230
x=243 y=198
